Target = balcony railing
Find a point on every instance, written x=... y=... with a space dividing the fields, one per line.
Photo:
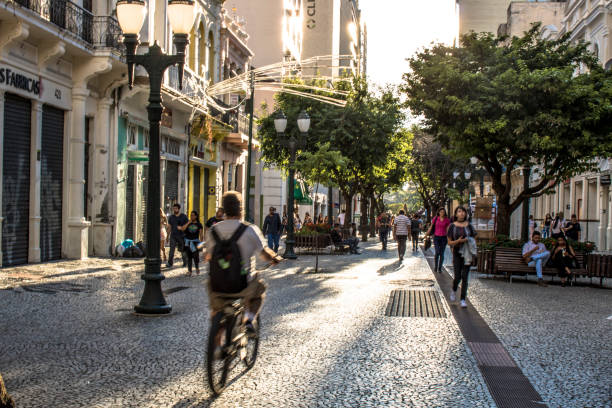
x=100 y=31
x=193 y=85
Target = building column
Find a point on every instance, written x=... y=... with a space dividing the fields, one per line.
x=100 y=191
x=77 y=237
x=584 y=208
x=602 y=214
x=35 y=148
x=572 y=199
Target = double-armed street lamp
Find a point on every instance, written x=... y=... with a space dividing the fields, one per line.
x=280 y=124
x=131 y=15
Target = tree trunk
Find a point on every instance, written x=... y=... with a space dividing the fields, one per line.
x=5 y=400
x=348 y=217
x=503 y=217
x=363 y=221
x=373 y=214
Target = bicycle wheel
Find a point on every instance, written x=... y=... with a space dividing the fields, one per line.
x=217 y=363
x=252 y=346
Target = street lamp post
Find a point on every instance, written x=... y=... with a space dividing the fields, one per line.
x=131 y=15
x=280 y=124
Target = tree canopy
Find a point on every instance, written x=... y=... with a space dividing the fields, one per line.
x=359 y=148
x=515 y=102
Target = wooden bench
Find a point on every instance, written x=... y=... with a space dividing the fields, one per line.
x=599 y=266
x=510 y=261
x=312 y=244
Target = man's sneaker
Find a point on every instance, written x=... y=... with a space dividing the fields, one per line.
x=541 y=283
x=463 y=304
x=452 y=296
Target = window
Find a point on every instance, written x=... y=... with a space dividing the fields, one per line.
x=145 y=136
x=132 y=135
x=171 y=146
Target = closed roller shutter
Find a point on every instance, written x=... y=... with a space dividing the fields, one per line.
x=129 y=203
x=196 y=189
x=16 y=180
x=51 y=175
x=171 y=183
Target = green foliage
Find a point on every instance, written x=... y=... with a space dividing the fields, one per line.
x=515 y=102
x=356 y=147
x=503 y=241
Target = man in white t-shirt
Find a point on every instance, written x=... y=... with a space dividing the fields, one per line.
x=400 y=233
x=341 y=218
x=250 y=244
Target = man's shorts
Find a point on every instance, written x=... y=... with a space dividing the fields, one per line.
x=256 y=289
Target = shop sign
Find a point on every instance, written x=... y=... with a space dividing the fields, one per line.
x=212 y=190
x=20 y=81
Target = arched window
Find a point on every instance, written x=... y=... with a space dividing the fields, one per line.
x=201 y=51
x=211 y=57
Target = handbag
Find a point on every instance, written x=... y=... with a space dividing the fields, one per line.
x=427 y=241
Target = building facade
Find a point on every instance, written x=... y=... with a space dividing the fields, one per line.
x=481 y=15
x=58 y=63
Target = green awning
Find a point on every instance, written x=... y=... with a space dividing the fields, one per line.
x=300 y=193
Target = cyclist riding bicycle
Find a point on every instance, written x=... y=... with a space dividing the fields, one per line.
x=233 y=273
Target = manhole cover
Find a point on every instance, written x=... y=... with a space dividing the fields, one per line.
x=175 y=289
x=415 y=303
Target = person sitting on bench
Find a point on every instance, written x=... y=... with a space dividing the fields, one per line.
x=564 y=259
x=536 y=255
x=352 y=242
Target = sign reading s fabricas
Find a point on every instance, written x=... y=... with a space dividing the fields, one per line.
x=19 y=81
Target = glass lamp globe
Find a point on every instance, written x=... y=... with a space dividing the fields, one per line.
x=303 y=122
x=467 y=175
x=131 y=15
x=280 y=122
x=474 y=160
x=181 y=14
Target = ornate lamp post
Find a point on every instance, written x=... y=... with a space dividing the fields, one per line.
x=131 y=16
x=280 y=123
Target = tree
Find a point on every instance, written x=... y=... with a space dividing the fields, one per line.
x=363 y=133
x=431 y=171
x=515 y=102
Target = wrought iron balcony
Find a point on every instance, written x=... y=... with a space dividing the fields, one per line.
x=100 y=31
x=193 y=85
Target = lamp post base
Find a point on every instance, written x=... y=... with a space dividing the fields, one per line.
x=152 y=301
x=289 y=252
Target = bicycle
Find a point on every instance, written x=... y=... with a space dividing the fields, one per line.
x=227 y=340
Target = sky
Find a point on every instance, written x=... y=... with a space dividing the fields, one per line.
x=398 y=28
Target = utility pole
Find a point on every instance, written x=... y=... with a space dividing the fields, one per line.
x=247 y=200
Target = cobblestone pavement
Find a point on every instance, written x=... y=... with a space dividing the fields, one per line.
x=560 y=337
x=68 y=339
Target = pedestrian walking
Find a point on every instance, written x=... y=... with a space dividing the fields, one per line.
x=320 y=219
x=194 y=235
x=341 y=218
x=272 y=228
x=400 y=233
x=556 y=228
x=461 y=236
x=383 y=224
x=163 y=233
x=532 y=225
x=546 y=226
x=218 y=217
x=177 y=236
x=415 y=229
x=438 y=228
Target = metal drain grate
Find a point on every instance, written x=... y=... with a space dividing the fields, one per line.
x=491 y=354
x=415 y=303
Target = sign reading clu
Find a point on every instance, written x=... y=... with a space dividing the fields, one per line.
x=19 y=81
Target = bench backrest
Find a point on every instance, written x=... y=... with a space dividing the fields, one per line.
x=504 y=256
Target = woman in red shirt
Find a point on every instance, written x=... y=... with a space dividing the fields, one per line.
x=439 y=226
